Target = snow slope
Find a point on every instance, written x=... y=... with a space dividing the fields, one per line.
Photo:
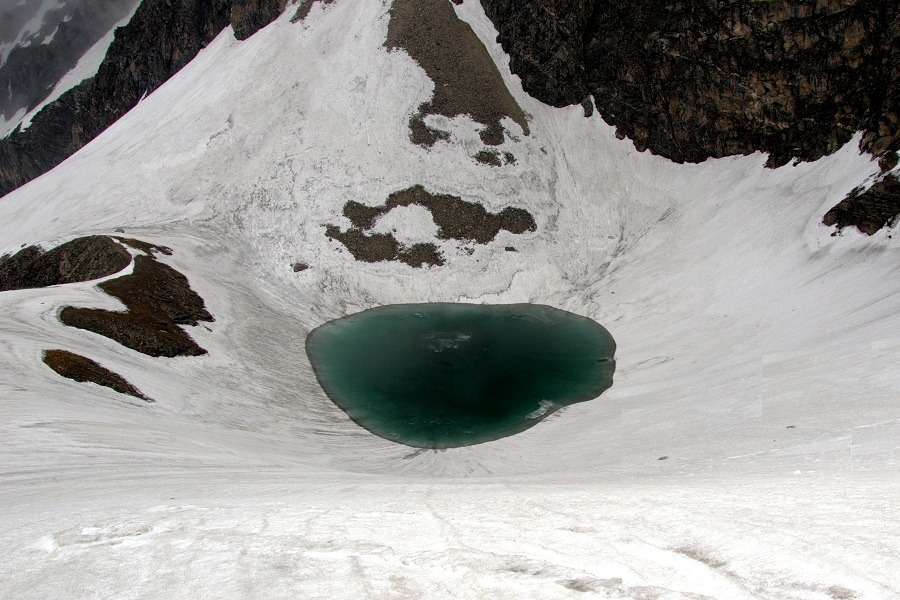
x=736 y=314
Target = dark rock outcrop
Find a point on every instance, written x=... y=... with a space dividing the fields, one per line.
x=868 y=210
x=456 y=220
x=82 y=259
x=159 y=300
x=79 y=368
x=249 y=16
x=381 y=247
x=692 y=79
x=161 y=38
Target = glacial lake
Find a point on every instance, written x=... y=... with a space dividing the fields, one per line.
x=446 y=375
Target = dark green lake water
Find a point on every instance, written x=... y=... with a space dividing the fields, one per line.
x=449 y=375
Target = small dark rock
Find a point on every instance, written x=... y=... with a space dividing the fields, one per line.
x=510 y=249
x=489 y=157
x=588 y=106
x=888 y=161
x=299 y=266
x=663 y=458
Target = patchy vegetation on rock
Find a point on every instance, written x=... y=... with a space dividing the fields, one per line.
x=82 y=259
x=466 y=80
x=78 y=368
x=158 y=299
x=869 y=210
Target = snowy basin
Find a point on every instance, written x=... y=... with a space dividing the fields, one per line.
x=444 y=375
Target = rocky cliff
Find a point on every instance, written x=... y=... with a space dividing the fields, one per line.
x=33 y=67
x=162 y=37
x=692 y=79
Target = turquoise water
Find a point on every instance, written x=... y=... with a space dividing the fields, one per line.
x=449 y=375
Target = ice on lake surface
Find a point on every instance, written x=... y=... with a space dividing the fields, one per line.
x=444 y=375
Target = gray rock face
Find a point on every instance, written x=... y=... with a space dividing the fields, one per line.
x=30 y=72
x=693 y=79
x=162 y=37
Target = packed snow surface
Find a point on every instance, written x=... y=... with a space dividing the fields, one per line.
x=748 y=449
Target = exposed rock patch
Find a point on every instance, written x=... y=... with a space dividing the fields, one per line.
x=869 y=210
x=82 y=259
x=78 y=368
x=249 y=16
x=158 y=299
x=489 y=157
x=378 y=247
x=697 y=79
x=305 y=7
x=466 y=80
x=456 y=219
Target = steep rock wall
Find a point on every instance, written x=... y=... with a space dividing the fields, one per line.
x=692 y=79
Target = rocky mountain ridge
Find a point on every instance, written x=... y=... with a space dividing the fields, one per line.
x=687 y=79
x=161 y=38
x=693 y=79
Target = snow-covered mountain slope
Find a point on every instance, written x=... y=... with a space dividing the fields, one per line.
x=757 y=353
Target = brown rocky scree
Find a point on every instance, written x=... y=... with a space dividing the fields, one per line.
x=78 y=368
x=456 y=219
x=158 y=301
x=82 y=259
x=466 y=80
